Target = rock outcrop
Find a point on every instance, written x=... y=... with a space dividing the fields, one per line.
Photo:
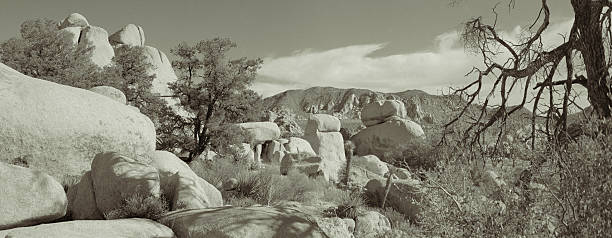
x=82 y=33
x=387 y=129
x=111 y=93
x=62 y=128
x=309 y=165
x=129 y=228
x=164 y=73
x=130 y=34
x=29 y=197
x=97 y=38
x=261 y=131
x=298 y=145
x=371 y=163
x=74 y=20
x=322 y=132
x=381 y=111
x=371 y=224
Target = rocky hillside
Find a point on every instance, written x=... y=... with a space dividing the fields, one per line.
x=347 y=103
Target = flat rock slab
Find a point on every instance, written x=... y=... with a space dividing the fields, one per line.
x=126 y=228
x=252 y=222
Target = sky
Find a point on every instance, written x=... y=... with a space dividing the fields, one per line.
x=384 y=45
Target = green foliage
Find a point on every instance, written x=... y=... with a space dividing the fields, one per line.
x=138 y=205
x=43 y=52
x=213 y=89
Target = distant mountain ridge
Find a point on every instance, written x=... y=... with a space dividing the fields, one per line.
x=347 y=103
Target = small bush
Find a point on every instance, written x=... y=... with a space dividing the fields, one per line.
x=22 y=161
x=138 y=205
x=350 y=205
x=415 y=154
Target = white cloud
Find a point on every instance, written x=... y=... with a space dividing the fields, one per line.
x=352 y=66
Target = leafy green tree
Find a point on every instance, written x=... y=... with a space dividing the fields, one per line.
x=44 y=52
x=213 y=90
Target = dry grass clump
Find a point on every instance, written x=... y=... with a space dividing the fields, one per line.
x=138 y=205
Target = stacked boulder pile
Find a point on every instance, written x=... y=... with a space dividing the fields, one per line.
x=323 y=134
x=387 y=129
x=262 y=133
x=105 y=47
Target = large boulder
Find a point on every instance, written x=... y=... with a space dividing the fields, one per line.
x=380 y=111
x=261 y=131
x=270 y=148
x=244 y=152
x=73 y=33
x=327 y=144
x=371 y=224
x=116 y=177
x=252 y=222
x=298 y=145
x=127 y=228
x=386 y=137
x=110 y=92
x=97 y=38
x=82 y=200
x=322 y=123
x=309 y=165
x=404 y=196
x=29 y=197
x=164 y=73
x=370 y=163
x=181 y=185
x=130 y=34
x=74 y=20
x=62 y=128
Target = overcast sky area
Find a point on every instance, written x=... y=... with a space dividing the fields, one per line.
x=386 y=45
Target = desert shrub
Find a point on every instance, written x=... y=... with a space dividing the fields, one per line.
x=586 y=188
x=267 y=186
x=554 y=190
x=220 y=170
x=350 y=205
x=415 y=154
x=400 y=225
x=22 y=161
x=138 y=205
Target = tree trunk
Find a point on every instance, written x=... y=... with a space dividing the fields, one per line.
x=387 y=188
x=591 y=45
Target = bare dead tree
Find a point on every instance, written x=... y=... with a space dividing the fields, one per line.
x=585 y=53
